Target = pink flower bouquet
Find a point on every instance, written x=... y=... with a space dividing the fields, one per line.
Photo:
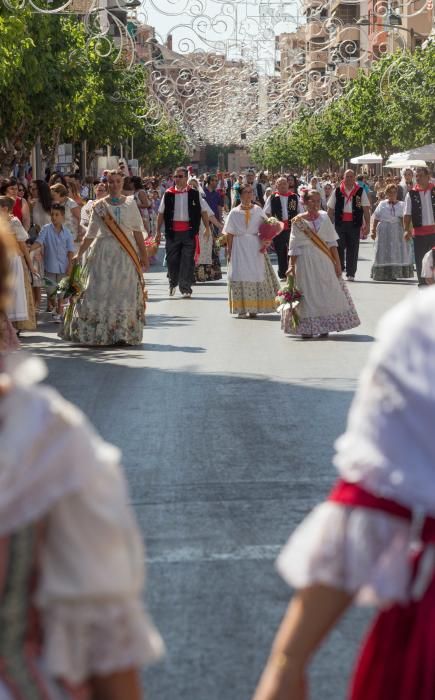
x=268 y=230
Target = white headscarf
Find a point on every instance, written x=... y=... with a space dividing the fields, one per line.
x=389 y=444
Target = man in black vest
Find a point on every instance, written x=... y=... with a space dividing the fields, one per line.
x=181 y=210
x=419 y=219
x=283 y=205
x=349 y=209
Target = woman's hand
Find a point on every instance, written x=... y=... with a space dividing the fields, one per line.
x=281 y=680
x=373 y=235
x=291 y=270
x=338 y=271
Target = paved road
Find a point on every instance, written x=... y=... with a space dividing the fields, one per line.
x=227 y=428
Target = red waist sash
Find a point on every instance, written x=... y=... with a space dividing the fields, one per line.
x=424 y=230
x=355 y=496
x=180 y=226
x=347 y=216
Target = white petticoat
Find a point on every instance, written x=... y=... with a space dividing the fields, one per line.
x=357 y=550
x=98 y=638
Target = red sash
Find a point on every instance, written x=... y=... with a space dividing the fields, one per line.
x=397 y=658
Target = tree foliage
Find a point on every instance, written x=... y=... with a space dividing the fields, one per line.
x=160 y=147
x=386 y=110
x=58 y=85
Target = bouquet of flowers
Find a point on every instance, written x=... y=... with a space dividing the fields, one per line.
x=287 y=301
x=71 y=287
x=268 y=230
x=221 y=241
x=151 y=246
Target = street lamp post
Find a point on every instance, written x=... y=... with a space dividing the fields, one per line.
x=394 y=22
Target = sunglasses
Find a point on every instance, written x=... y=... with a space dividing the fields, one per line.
x=179 y=176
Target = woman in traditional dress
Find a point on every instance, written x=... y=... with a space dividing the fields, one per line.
x=111 y=309
x=252 y=282
x=392 y=252
x=326 y=304
x=22 y=311
x=206 y=267
x=373 y=541
x=73 y=624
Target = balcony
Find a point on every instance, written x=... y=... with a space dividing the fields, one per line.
x=315 y=30
x=346 y=35
x=317 y=59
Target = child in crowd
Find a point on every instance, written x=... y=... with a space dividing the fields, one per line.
x=58 y=246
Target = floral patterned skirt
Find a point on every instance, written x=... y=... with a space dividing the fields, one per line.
x=390 y=273
x=255 y=297
x=317 y=325
x=111 y=310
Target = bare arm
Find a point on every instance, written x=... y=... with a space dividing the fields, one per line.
x=334 y=253
x=25 y=251
x=84 y=245
x=366 y=212
x=292 y=267
x=160 y=220
x=123 y=685
x=331 y=214
x=219 y=225
x=25 y=214
x=312 y=613
x=229 y=245
x=407 y=225
x=374 y=228
x=143 y=254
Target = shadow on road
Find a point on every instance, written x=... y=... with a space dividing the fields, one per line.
x=218 y=465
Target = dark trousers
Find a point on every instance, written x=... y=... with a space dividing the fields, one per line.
x=421 y=245
x=348 y=247
x=280 y=243
x=180 y=258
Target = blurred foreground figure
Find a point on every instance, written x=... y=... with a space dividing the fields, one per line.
x=72 y=623
x=373 y=540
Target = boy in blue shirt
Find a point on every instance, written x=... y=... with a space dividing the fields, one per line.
x=58 y=244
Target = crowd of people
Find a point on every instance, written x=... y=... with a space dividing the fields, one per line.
x=113 y=226
x=71 y=558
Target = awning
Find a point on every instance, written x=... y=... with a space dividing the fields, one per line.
x=403 y=163
x=416 y=157
x=366 y=159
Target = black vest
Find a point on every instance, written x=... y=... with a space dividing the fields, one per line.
x=276 y=207
x=260 y=194
x=417 y=209
x=357 y=208
x=194 y=208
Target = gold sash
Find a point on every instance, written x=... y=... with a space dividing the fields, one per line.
x=318 y=242
x=123 y=240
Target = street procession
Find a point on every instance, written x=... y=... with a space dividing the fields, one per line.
x=217 y=350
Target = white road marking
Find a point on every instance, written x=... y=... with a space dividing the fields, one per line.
x=183 y=555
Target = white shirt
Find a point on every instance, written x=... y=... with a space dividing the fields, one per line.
x=427 y=269
x=426 y=207
x=387 y=211
x=347 y=209
x=284 y=206
x=181 y=206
